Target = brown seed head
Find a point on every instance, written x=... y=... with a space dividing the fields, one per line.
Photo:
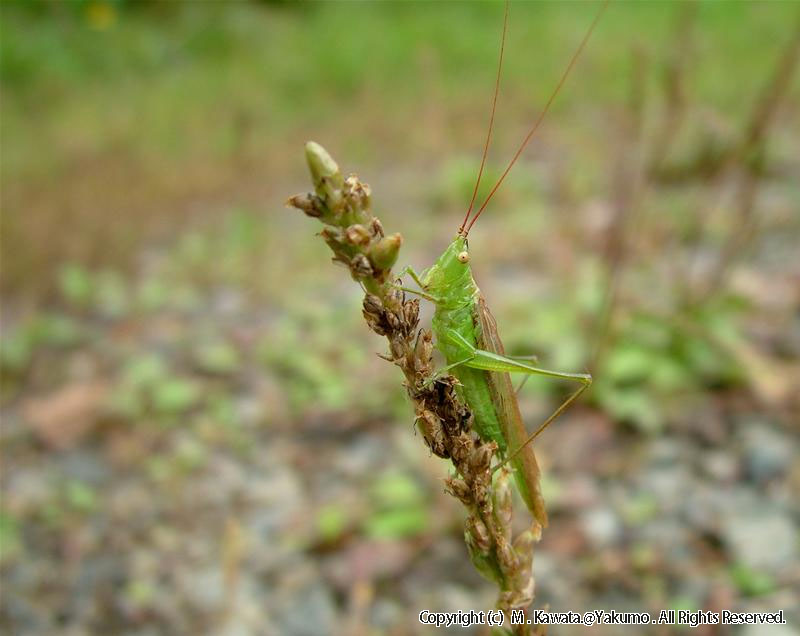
x=459 y=489
x=481 y=457
x=376 y=228
x=480 y=534
x=411 y=314
x=310 y=204
x=360 y=267
x=357 y=234
x=502 y=503
x=506 y=555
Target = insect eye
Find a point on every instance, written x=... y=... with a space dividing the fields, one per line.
x=463 y=257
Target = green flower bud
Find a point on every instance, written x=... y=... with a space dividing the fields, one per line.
x=384 y=253
x=324 y=170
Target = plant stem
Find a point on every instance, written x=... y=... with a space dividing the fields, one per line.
x=357 y=239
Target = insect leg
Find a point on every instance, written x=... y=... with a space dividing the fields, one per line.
x=521 y=384
x=489 y=361
x=444 y=370
x=532 y=358
x=414 y=276
x=433 y=299
x=564 y=405
x=469 y=352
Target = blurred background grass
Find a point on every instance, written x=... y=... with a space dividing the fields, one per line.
x=196 y=433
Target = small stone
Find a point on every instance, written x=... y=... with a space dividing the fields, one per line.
x=767 y=453
x=721 y=465
x=601 y=526
x=310 y=611
x=772 y=630
x=206 y=589
x=761 y=537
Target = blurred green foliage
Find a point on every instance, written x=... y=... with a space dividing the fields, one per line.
x=399 y=508
x=752 y=582
x=148 y=89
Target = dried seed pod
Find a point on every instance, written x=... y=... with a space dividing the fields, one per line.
x=373 y=305
x=482 y=560
x=392 y=320
x=462 y=447
x=480 y=492
x=479 y=532
x=502 y=500
x=506 y=599
x=459 y=489
x=523 y=584
x=334 y=238
x=376 y=227
x=393 y=298
x=357 y=234
x=310 y=204
x=524 y=543
x=522 y=579
x=358 y=193
x=411 y=314
x=423 y=350
x=397 y=349
x=432 y=433
x=480 y=458
x=360 y=267
x=374 y=322
x=506 y=555
x=519 y=598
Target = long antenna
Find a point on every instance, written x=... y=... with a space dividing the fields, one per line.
x=541 y=115
x=491 y=120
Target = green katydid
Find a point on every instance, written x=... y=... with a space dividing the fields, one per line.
x=466 y=334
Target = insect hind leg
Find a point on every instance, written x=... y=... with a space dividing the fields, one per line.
x=564 y=406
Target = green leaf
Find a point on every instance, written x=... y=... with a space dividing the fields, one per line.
x=752 y=582
x=668 y=375
x=331 y=522
x=175 y=396
x=15 y=351
x=395 y=524
x=144 y=370
x=396 y=489
x=55 y=330
x=628 y=364
x=217 y=357
x=111 y=294
x=640 y=509
x=80 y=496
x=76 y=284
x=10 y=540
x=633 y=405
x=152 y=295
